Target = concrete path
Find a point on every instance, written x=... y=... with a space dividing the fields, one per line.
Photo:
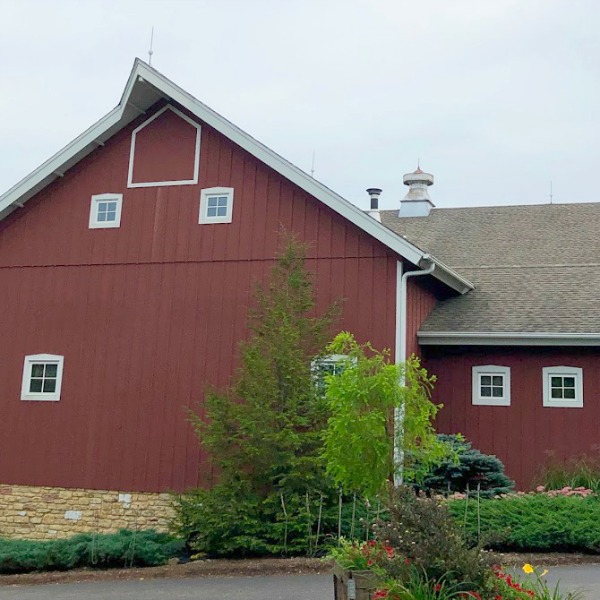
x=283 y=587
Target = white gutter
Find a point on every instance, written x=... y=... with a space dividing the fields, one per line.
x=400 y=356
x=495 y=338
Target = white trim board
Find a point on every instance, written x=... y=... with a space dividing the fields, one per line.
x=193 y=181
x=482 y=338
x=144 y=88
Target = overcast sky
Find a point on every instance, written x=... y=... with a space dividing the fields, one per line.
x=496 y=97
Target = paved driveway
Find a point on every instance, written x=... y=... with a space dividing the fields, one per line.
x=284 y=587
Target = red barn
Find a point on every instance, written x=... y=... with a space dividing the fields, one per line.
x=127 y=264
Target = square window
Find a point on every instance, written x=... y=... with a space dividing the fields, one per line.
x=105 y=211
x=42 y=377
x=491 y=386
x=563 y=387
x=216 y=205
x=327 y=366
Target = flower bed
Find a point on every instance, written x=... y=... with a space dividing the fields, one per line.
x=419 y=553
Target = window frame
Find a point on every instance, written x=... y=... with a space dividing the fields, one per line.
x=205 y=194
x=30 y=360
x=94 y=223
x=492 y=370
x=333 y=359
x=562 y=371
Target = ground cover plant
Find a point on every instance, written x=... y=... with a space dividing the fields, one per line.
x=99 y=551
x=555 y=521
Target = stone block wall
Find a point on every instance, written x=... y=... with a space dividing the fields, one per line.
x=48 y=512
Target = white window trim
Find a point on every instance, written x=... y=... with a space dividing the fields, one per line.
x=215 y=191
x=131 y=184
x=477 y=398
x=96 y=199
x=577 y=373
x=25 y=384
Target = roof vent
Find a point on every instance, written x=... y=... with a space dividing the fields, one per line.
x=374 y=194
x=417 y=202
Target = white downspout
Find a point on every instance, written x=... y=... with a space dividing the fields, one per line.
x=400 y=355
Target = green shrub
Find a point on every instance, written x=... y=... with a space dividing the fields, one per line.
x=579 y=471
x=474 y=471
x=225 y=522
x=422 y=529
x=533 y=522
x=123 y=549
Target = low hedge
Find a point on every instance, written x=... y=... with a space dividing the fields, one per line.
x=533 y=522
x=99 y=551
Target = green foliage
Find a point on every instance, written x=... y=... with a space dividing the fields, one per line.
x=422 y=529
x=101 y=551
x=360 y=434
x=534 y=522
x=467 y=470
x=226 y=522
x=579 y=471
x=264 y=433
x=371 y=555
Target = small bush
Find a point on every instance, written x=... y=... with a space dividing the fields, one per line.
x=222 y=522
x=532 y=522
x=579 y=471
x=473 y=471
x=422 y=530
x=102 y=551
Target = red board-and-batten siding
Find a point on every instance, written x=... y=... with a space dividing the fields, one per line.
x=523 y=433
x=148 y=314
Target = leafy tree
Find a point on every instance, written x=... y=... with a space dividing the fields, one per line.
x=359 y=438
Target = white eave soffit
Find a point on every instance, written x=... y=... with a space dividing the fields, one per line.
x=144 y=88
x=483 y=338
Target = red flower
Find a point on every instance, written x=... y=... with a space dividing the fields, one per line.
x=437 y=587
x=380 y=595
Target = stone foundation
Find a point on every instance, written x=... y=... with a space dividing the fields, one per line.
x=40 y=513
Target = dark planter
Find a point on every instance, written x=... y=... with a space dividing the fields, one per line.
x=353 y=585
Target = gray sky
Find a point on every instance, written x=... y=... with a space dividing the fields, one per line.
x=496 y=97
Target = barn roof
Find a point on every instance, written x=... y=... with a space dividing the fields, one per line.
x=145 y=87
x=536 y=270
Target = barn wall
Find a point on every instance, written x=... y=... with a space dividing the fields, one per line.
x=420 y=301
x=149 y=314
x=521 y=434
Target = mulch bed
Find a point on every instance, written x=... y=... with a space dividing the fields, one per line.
x=253 y=568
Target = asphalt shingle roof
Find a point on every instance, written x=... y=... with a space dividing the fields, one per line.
x=536 y=268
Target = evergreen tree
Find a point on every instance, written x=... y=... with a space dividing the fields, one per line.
x=264 y=433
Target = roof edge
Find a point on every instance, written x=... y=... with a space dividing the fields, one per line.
x=495 y=338
x=141 y=71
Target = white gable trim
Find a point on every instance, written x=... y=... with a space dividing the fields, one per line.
x=126 y=111
x=193 y=181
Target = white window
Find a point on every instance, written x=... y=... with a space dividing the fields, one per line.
x=491 y=385
x=42 y=377
x=563 y=387
x=105 y=211
x=333 y=364
x=216 y=205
